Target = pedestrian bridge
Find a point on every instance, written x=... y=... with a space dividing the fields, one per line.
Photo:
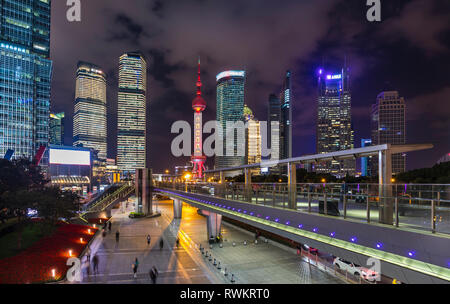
x=405 y=227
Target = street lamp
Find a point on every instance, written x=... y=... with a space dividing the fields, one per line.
x=167 y=171
x=187 y=176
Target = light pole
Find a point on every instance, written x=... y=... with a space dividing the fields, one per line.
x=187 y=176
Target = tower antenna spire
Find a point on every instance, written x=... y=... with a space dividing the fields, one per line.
x=199 y=81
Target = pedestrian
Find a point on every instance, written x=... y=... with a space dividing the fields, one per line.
x=178 y=241
x=95 y=262
x=88 y=254
x=103 y=232
x=135 y=266
x=148 y=239
x=109 y=226
x=161 y=244
x=152 y=276
x=117 y=236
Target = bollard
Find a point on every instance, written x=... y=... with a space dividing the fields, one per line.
x=225 y=273
x=214 y=262
x=234 y=244
x=256 y=241
x=206 y=254
x=245 y=242
x=220 y=245
x=232 y=278
x=265 y=240
x=210 y=246
x=218 y=266
x=210 y=257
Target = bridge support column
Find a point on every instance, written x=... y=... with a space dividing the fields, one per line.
x=222 y=185
x=248 y=185
x=214 y=224
x=386 y=209
x=143 y=188
x=177 y=208
x=292 y=186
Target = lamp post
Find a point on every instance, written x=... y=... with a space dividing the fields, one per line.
x=187 y=176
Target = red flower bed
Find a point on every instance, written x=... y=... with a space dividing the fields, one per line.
x=35 y=264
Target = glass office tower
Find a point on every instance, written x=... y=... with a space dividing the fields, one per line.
x=334 y=129
x=25 y=76
x=131 y=112
x=252 y=138
x=57 y=129
x=89 y=119
x=230 y=108
x=388 y=126
x=366 y=161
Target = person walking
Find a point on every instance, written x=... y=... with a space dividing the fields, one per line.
x=148 y=239
x=135 y=266
x=155 y=270
x=117 y=236
x=152 y=276
x=109 y=226
x=161 y=244
x=88 y=254
x=95 y=263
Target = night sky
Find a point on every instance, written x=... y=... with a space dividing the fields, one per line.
x=408 y=51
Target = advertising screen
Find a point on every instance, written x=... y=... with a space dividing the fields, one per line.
x=70 y=157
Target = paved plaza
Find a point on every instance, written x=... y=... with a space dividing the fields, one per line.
x=251 y=263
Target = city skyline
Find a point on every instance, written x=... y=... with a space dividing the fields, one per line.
x=169 y=73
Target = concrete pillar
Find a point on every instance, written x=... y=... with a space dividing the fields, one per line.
x=292 y=186
x=248 y=185
x=143 y=191
x=222 y=186
x=386 y=209
x=213 y=223
x=177 y=208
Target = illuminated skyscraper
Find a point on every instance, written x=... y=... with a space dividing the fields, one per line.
x=89 y=120
x=366 y=161
x=230 y=107
x=388 y=127
x=334 y=129
x=286 y=118
x=25 y=76
x=253 y=138
x=131 y=112
x=57 y=129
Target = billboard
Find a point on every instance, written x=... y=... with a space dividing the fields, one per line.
x=70 y=157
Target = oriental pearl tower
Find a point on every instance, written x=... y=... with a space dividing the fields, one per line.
x=198 y=105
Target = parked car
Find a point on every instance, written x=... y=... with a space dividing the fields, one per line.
x=355 y=269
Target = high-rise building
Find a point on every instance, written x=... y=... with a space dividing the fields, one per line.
x=365 y=161
x=334 y=127
x=25 y=76
x=57 y=129
x=252 y=138
x=230 y=107
x=286 y=118
x=274 y=116
x=131 y=112
x=89 y=120
x=388 y=126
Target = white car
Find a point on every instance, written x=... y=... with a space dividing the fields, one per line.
x=355 y=269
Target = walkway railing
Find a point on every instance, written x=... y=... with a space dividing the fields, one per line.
x=420 y=206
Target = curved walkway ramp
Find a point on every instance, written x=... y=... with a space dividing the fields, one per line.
x=411 y=256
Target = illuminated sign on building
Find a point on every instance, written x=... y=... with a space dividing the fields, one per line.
x=230 y=74
x=70 y=157
x=337 y=76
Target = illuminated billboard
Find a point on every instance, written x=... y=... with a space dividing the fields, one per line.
x=70 y=157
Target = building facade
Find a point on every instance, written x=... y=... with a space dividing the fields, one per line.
x=286 y=118
x=388 y=126
x=57 y=129
x=89 y=119
x=230 y=108
x=252 y=138
x=366 y=161
x=25 y=76
x=334 y=124
x=131 y=112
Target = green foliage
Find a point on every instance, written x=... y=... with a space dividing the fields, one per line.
x=438 y=174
